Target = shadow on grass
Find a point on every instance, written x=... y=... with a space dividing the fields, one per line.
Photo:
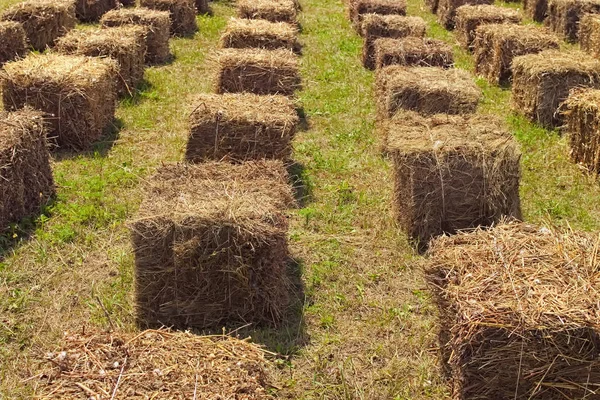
x=301 y=184
x=303 y=124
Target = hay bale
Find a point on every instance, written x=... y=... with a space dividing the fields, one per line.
x=468 y=18
x=446 y=10
x=432 y=5
x=181 y=12
x=92 y=10
x=413 y=51
x=158 y=364
x=157 y=24
x=125 y=44
x=259 y=33
x=77 y=94
x=427 y=90
x=582 y=123
x=43 y=21
x=258 y=71
x=210 y=244
x=496 y=45
x=536 y=9
x=26 y=180
x=519 y=308
x=452 y=173
x=589 y=34
x=376 y=26
x=271 y=10
x=542 y=81
x=563 y=16
x=13 y=41
x=240 y=127
x=359 y=8
x=202 y=7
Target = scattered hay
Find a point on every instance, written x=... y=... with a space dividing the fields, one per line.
x=93 y=10
x=154 y=364
x=496 y=45
x=43 y=20
x=582 y=122
x=519 y=312
x=446 y=10
x=413 y=51
x=26 y=180
x=541 y=82
x=77 y=93
x=258 y=71
x=260 y=33
x=563 y=16
x=13 y=41
x=468 y=18
x=359 y=8
x=536 y=9
x=387 y=26
x=181 y=12
x=452 y=173
x=427 y=90
x=210 y=244
x=271 y=10
x=589 y=34
x=240 y=127
x=157 y=24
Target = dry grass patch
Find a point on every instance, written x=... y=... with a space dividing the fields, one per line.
x=413 y=51
x=468 y=18
x=582 y=123
x=271 y=10
x=257 y=33
x=358 y=8
x=446 y=10
x=13 y=41
x=563 y=16
x=181 y=12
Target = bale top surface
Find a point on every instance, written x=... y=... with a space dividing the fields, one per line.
x=262 y=27
x=412 y=44
x=137 y=15
x=486 y=12
x=554 y=61
x=430 y=79
x=277 y=6
x=12 y=125
x=521 y=33
x=43 y=9
x=585 y=99
x=392 y=22
x=273 y=58
x=106 y=40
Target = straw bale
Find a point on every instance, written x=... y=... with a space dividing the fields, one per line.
x=125 y=44
x=468 y=18
x=153 y=364
x=582 y=123
x=93 y=10
x=563 y=16
x=519 y=312
x=157 y=23
x=13 y=41
x=542 y=81
x=77 y=94
x=427 y=90
x=43 y=20
x=432 y=5
x=202 y=7
x=210 y=244
x=271 y=10
x=358 y=8
x=446 y=10
x=413 y=51
x=240 y=127
x=589 y=34
x=376 y=26
x=259 y=33
x=258 y=71
x=451 y=173
x=26 y=180
x=181 y=12
x=536 y=9
x=496 y=45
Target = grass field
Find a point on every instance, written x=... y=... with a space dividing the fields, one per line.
x=364 y=327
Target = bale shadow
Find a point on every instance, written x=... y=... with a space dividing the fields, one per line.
x=99 y=148
x=303 y=123
x=139 y=94
x=301 y=184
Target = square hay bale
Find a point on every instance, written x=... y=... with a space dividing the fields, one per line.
x=124 y=44
x=589 y=34
x=181 y=12
x=452 y=173
x=518 y=312
x=432 y=5
x=258 y=71
x=77 y=94
x=202 y=7
x=413 y=51
x=157 y=23
x=271 y=10
x=210 y=244
x=446 y=10
x=468 y=18
x=242 y=33
x=159 y=364
x=43 y=21
x=92 y=10
x=426 y=90
x=496 y=45
x=563 y=16
x=13 y=41
x=26 y=180
x=376 y=26
x=542 y=81
x=582 y=123
x=240 y=127
x=358 y=8
x=536 y=9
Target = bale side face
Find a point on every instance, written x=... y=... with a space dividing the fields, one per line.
x=589 y=34
x=181 y=12
x=210 y=245
x=582 y=121
x=43 y=21
x=13 y=41
x=446 y=10
x=202 y=7
x=270 y=10
x=241 y=127
x=26 y=181
x=77 y=94
x=541 y=82
x=468 y=18
x=257 y=33
x=157 y=23
x=563 y=16
x=414 y=52
x=258 y=71
x=359 y=8
x=536 y=9
x=93 y=10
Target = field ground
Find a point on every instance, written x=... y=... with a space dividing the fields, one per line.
x=364 y=327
